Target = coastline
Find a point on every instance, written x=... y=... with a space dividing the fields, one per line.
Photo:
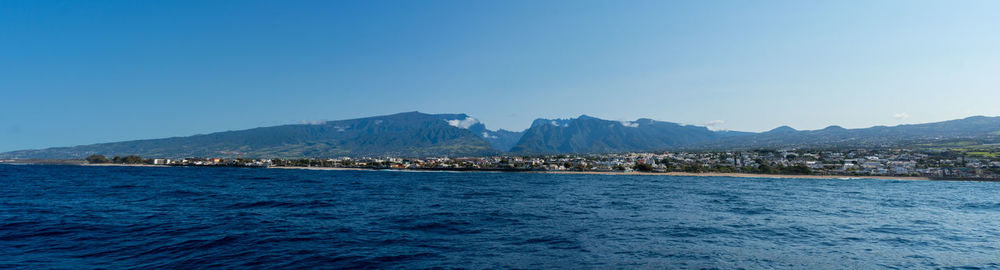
x=741 y=175
x=748 y=175
x=320 y=168
x=123 y=165
x=709 y=174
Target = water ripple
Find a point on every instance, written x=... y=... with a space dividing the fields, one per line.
x=123 y=217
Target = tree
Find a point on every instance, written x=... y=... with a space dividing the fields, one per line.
x=97 y=159
x=693 y=168
x=764 y=168
x=644 y=167
x=797 y=169
x=665 y=162
x=132 y=159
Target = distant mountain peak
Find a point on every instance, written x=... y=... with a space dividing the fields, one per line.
x=834 y=128
x=413 y=113
x=553 y=122
x=586 y=134
x=782 y=129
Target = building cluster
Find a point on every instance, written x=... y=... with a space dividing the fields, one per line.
x=211 y=162
x=890 y=162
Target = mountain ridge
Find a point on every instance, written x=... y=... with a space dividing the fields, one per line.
x=402 y=134
x=871 y=137
x=586 y=134
x=417 y=134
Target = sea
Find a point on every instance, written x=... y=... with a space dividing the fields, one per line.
x=82 y=217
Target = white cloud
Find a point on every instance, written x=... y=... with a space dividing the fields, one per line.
x=629 y=123
x=464 y=123
x=901 y=116
x=715 y=124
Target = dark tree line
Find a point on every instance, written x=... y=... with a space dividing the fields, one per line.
x=131 y=159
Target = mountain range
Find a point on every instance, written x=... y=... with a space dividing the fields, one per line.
x=976 y=127
x=587 y=134
x=415 y=134
x=403 y=134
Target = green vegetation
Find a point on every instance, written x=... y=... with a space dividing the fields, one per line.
x=969 y=148
x=97 y=159
x=132 y=159
x=983 y=154
x=406 y=134
x=644 y=167
x=796 y=169
x=693 y=168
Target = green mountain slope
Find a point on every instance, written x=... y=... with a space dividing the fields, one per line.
x=405 y=134
x=587 y=134
x=978 y=127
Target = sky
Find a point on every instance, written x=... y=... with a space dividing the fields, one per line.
x=82 y=72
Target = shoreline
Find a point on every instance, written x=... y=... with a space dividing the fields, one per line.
x=123 y=165
x=738 y=175
x=708 y=174
x=320 y=168
x=750 y=175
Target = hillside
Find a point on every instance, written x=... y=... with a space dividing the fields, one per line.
x=415 y=134
x=587 y=134
x=404 y=134
x=880 y=136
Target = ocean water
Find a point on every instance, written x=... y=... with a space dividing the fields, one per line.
x=131 y=217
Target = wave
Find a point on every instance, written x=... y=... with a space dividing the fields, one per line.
x=278 y=204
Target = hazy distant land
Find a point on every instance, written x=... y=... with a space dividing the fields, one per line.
x=415 y=134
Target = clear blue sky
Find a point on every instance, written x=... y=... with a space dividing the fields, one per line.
x=81 y=72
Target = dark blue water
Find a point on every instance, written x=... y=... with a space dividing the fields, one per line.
x=116 y=217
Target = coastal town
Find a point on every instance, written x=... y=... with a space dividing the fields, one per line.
x=890 y=162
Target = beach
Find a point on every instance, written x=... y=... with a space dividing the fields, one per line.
x=709 y=174
x=746 y=175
